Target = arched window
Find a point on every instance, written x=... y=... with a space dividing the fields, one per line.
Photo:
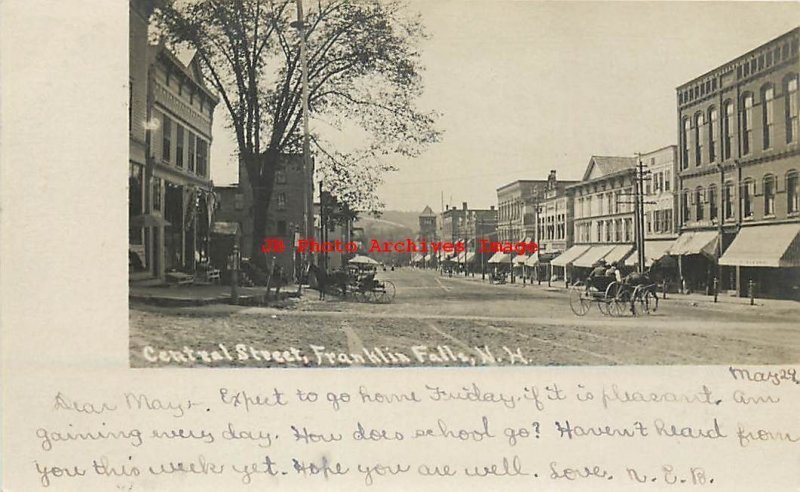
x=727 y=132
x=769 y=195
x=790 y=89
x=685 y=206
x=712 y=202
x=728 y=201
x=712 y=134
x=792 y=192
x=748 y=190
x=767 y=113
x=698 y=203
x=699 y=122
x=687 y=127
x=747 y=123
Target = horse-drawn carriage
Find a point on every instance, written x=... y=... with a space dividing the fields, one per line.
x=358 y=281
x=635 y=294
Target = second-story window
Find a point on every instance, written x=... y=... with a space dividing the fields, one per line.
x=202 y=157
x=698 y=204
x=179 y=145
x=767 y=114
x=712 y=202
x=685 y=206
x=791 y=110
x=792 y=192
x=747 y=123
x=190 y=161
x=746 y=197
x=281 y=201
x=727 y=132
x=280 y=176
x=687 y=127
x=769 y=195
x=699 y=122
x=712 y=135
x=166 y=141
x=727 y=201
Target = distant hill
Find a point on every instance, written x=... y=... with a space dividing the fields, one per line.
x=392 y=226
x=408 y=219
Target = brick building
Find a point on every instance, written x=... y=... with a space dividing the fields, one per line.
x=285 y=214
x=739 y=160
x=554 y=217
x=427 y=224
x=469 y=225
x=516 y=209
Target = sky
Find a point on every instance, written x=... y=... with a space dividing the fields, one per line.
x=525 y=87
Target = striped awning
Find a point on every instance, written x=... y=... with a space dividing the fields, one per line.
x=595 y=254
x=500 y=257
x=570 y=255
x=653 y=250
x=771 y=246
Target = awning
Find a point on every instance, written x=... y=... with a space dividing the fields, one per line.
x=532 y=260
x=500 y=257
x=520 y=258
x=772 y=246
x=428 y=257
x=570 y=255
x=619 y=252
x=417 y=258
x=470 y=257
x=588 y=259
x=695 y=243
x=461 y=257
x=653 y=250
x=225 y=228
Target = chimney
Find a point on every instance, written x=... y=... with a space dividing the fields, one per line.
x=552 y=174
x=491 y=207
x=464 y=206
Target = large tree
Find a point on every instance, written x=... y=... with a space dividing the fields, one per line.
x=364 y=76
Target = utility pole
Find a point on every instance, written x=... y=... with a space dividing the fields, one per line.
x=307 y=171
x=640 y=213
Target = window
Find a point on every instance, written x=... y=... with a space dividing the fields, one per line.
x=712 y=202
x=667 y=180
x=698 y=204
x=156 y=193
x=791 y=109
x=628 y=229
x=685 y=206
x=202 y=156
x=699 y=121
x=166 y=143
x=769 y=195
x=686 y=130
x=747 y=123
x=727 y=135
x=191 y=152
x=648 y=219
x=238 y=201
x=179 y=146
x=767 y=114
x=747 y=192
x=792 y=192
x=281 y=201
x=280 y=176
x=610 y=205
x=712 y=133
x=727 y=201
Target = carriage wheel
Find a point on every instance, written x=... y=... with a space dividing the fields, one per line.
x=651 y=300
x=622 y=303
x=604 y=307
x=638 y=303
x=388 y=292
x=578 y=302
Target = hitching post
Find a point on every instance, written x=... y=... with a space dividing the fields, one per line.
x=235 y=274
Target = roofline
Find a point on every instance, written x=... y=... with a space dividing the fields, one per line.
x=522 y=181
x=605 y=176
x=184 y=68
x=789 y=33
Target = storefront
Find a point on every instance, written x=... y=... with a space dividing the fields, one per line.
x=565 y=259
x=696 y=252
x=769 y=257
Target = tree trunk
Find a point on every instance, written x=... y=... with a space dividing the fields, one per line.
x=261 y=175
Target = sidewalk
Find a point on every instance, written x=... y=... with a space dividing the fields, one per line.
x=694 y=299
x=200 y=295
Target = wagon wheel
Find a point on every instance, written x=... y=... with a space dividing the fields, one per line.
x=387 y=293
x=606 y=304
x=638 y=304
x=578 y=302
x=651 y=300
x=622 y=303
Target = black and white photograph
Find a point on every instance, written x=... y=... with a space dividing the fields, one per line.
x=392 y=184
